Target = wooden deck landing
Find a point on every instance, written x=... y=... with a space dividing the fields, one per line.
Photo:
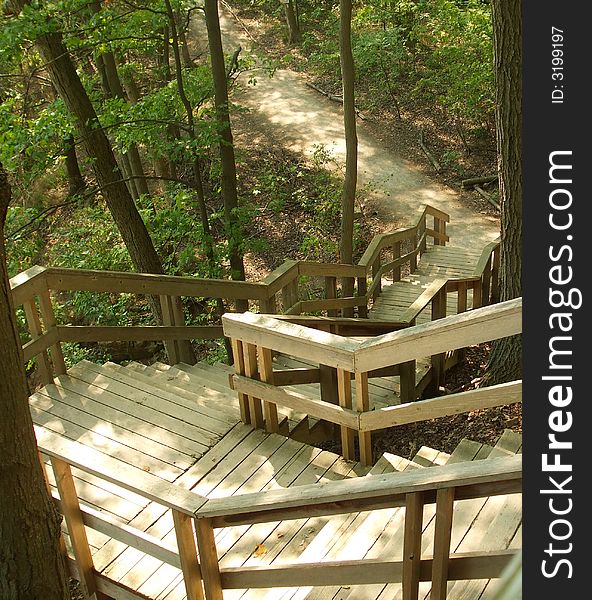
x=191 y=436
x=437 y=262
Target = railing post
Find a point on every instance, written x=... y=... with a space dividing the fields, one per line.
x=461 y=307
x=208 y=558
x=239 y=369
x=75 y=525
x=290 y=294
x=48 y=316
x=495 y=268
x=412 y=545
x=442 y=536
x=486 y=283
x=396 y=256
x=421 y=230
x=188 y=555
x=331 y=293
x=345 y=401
x=363 y=405
x=251 y=371
x=407 y=376
x=438 y=312
x=362 y=291
x=266 y=371
x=35 y=329
x=268 y=306
x=413 y=258
x=375 y=268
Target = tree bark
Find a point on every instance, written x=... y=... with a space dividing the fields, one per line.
x=293 y=27
x=31 y=564
x=76 y=183
x=227 y=159
x=351 y=145
x=505 y=359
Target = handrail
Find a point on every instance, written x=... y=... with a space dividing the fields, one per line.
x=349 y=495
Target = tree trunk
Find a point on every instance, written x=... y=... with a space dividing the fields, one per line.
x=31 y=564
x=76 y=183
x=351 y=145
x=505 y=358
x=293 y=27
x=227 y=160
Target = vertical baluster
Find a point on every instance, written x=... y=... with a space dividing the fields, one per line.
x=188 y=555
x=208 y=558
x=442 y=535
x=363 y=405
x=422 y=236
x=413 y=259
x=168 y=318
x=396 y=255
x=375 y=269
x=48 y=316
x=250 y=359
x=75 y=525
x=330 y=293
x=461 y=306
x=266 y=371
x=35 y=329
x=239 y=368
x=438 y=312
x=345 y=401
x=495 y=275
x=407 y=375
x=362 y=291
x=486 y=283
x=412 y=545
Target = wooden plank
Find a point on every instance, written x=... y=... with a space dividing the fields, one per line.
x=121 y=434
x=267 y=376
x=451 y=404
x=180 y=418
x=209 y=560
x=291 y=339
x=252 y=372
x=297 y=376
x=26 y=285
x=469 y=478
x=74 y=521
x=345 y=401
x=442 y=536
x=60 y=279
x=49 y=321
x=462 y=566
x=281 y=276
x=94 y=333
x=362 y=406
x=188 y=556
x=115 y=471
x=34 y=325
x=239 y=367
x=300 y=402
x=476 y=326
x=412 y=545
x=317 y=269
x=335 y=303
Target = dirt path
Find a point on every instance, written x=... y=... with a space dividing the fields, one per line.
x=289 y=113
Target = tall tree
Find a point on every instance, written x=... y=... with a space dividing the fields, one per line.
x=506 y=354
x=121 y=205
x=31 y=563
x=351 y=143
x=292 y=21
x=227 y=159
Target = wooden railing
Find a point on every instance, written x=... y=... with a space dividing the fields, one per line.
x=195 y=518
x=256 y=337
x=286 y=290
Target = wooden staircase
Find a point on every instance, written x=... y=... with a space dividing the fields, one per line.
x=180 y=425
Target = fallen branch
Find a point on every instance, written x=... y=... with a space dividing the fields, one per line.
x=430 y=156
x=477 y=180
x=487 y=196
x=333 y=97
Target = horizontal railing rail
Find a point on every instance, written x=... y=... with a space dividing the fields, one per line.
x=352 y=361
x=195 y=518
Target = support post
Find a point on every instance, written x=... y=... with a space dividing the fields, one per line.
x=168 y=318
x=239 y=369
x=208 y=557
x=330 y=293
x=49 y=321
x=251 y=371
x=412 y=545
x=442 y=536
x=188 y=555
x=363 y=405
x=345 y=401
x=266 y=372
x=35 y=329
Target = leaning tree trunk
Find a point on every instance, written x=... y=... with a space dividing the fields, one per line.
x=505 y=358
x=31 y=563
x=227 y=160
x=76 y=182
x=119 y=201
x=351 y=146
